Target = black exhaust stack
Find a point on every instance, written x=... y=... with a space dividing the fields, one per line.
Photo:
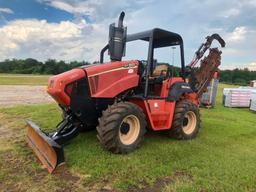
x=117 y=39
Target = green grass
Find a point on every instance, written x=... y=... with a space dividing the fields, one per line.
x=23 y=79
x=221 y=158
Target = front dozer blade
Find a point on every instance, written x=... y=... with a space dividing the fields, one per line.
x=49 y=152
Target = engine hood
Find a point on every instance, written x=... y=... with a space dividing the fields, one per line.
x=58 y=83
x=110 y=79
x=95 y=69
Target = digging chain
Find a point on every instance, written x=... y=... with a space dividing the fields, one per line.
x=205 y=72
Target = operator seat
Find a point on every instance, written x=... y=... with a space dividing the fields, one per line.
x=160 y=73
x=160 y=70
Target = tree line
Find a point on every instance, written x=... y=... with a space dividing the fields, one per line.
x=51 y=66
x=237 y=76
x=32 y=66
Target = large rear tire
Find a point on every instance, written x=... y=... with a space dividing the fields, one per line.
x=122 y=127
x=186 y=121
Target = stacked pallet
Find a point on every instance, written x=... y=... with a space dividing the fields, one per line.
x=237 y=97
x=208 y=98
x=253 y=101
x=253 y=83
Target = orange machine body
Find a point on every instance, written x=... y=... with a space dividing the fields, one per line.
x=108 y=80
x=105 y=80
x=159 y=112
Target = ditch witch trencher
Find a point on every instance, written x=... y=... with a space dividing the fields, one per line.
x=123 y=99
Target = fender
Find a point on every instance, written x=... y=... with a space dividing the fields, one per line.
x=177 y=90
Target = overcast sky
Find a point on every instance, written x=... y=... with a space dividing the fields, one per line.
x=77 y=29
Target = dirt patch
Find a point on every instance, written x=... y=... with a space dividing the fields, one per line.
x=162 y=182
x=12 y=95
x=4 y=132
x=20 y=170
x=103 y=186
x=21 y=176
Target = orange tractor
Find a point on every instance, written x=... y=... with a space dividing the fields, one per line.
x=123 y=99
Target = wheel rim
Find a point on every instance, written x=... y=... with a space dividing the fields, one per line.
x=129 y=129
x=189 y=122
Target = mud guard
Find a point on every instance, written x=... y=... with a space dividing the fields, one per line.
x=177 y=90
x=49 y=152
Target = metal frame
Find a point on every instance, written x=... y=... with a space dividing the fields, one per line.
x=157 y=38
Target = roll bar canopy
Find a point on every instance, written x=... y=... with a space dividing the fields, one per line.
x=160 y=38
x=157 y=38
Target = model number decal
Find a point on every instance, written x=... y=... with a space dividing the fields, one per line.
x=185 y=87
x=130 y=65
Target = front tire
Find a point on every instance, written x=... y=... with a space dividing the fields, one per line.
x=122 y=127
x=186 y=121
